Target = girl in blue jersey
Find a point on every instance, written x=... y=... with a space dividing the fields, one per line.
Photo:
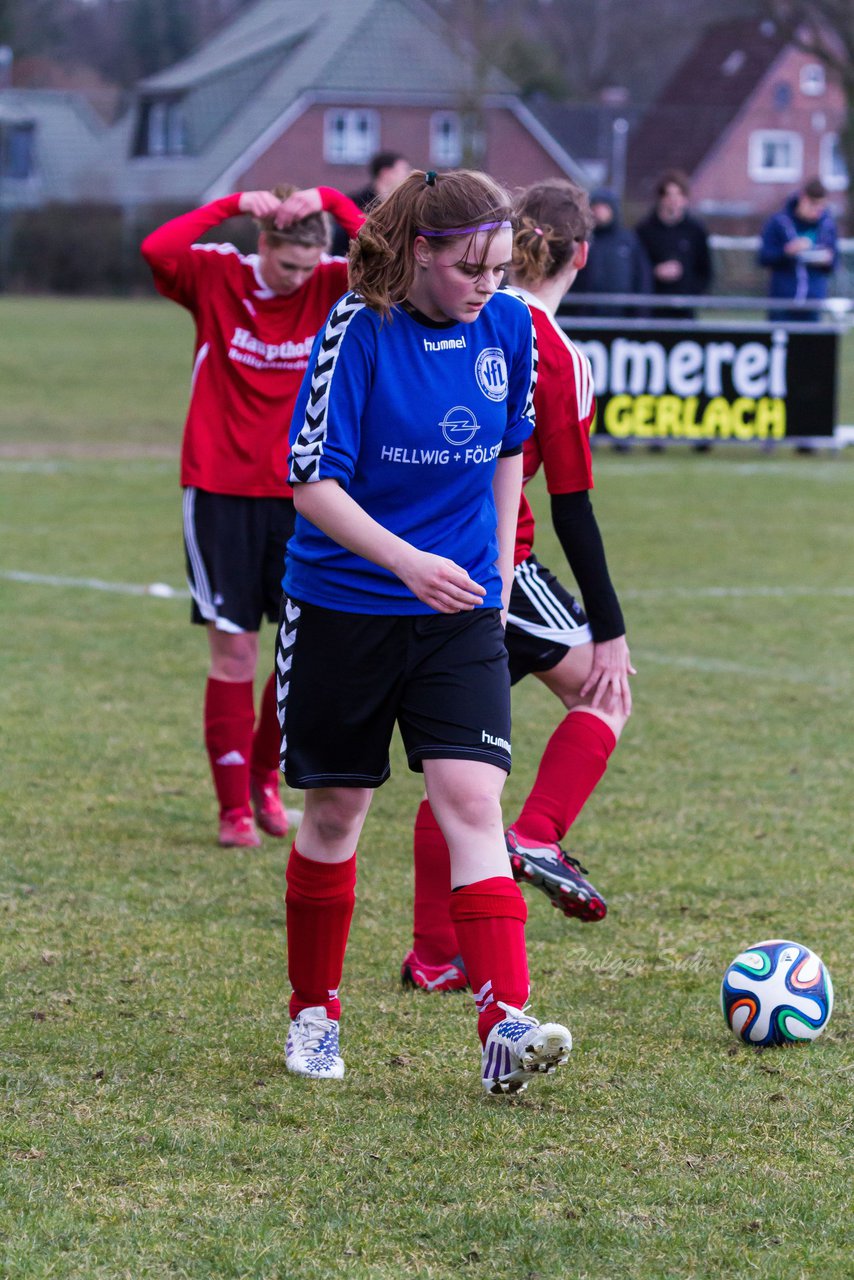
x=406 y=464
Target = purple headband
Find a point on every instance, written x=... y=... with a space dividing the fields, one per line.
x=465 y=231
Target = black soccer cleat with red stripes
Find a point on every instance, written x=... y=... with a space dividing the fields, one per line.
x=561 y=877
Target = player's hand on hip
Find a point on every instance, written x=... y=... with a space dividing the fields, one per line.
x=260 y=204
x=608 y=682
x=440 y=583
x=298 y=205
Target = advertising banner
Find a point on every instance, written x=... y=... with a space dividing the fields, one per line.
x=755 y=383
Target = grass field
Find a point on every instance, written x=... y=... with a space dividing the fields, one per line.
x=148 y=1127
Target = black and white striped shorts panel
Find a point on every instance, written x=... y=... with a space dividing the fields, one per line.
x=544 y=620
x=286 y=635
x=234 y=547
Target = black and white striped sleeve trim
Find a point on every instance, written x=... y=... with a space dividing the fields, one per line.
x=308 y=447
x=535 y=354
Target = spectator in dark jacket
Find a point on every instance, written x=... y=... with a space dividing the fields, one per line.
x=387 y=170
x=799 y=245
x=617 y=261
x=677 y=244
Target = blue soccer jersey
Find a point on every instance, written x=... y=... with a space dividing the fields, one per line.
x=410 y=418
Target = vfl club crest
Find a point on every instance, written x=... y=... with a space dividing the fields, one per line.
x=491 y=373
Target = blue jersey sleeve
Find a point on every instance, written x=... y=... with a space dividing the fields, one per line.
x=521 y=380
x=326 y=424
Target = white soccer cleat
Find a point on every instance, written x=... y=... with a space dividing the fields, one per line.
x=519 y=1047
x=312 y=1046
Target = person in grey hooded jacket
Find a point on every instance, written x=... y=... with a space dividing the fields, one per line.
x=617 y=262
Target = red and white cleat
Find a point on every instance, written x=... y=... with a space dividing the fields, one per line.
x=237 y=830
x=269 y=811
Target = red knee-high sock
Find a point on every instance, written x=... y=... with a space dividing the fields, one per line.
x=267 y=739
x=229 y=722
x=433 y=935
x=573 y=762
x=319 y=907
x=489 y=917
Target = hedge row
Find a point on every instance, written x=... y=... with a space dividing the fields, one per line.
x=88 y=248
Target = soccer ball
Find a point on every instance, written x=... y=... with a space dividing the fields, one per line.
x=776 y=992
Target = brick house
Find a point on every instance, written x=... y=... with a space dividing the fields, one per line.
x=748 y=117
x=307 y=93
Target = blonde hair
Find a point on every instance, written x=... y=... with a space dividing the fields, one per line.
x=554 y=217
x=382 y=263
x=311 y=232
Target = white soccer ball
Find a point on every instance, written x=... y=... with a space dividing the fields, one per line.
x=777 y=992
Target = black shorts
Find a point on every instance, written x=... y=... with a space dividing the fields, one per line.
x=235 y=554
x=544 y=621
x=344 y=679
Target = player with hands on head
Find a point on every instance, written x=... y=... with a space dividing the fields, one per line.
x=582 y=656
x=256 y=316
x=406 y=464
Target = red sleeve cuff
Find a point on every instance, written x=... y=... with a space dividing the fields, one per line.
x=342 y=207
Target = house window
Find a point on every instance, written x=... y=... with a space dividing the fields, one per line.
x=831 y=163
x=350 y=137
x=162 y=128
x=813 y=79
x=17 y=150
x=782 y=95
x=446 y=141
x=775 y=155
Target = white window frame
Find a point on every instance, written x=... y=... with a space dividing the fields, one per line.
x=351 y=135
x=446 y=139
x=829 y=174
x=756 y=167
x=813 y=80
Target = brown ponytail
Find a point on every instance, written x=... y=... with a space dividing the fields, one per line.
x=382 y=264
x=553 y=217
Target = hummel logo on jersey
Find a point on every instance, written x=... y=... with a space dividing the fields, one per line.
x=494 y=742
x=231 y=757
x=445 y=344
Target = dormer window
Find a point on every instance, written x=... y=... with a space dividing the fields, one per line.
x=17 y=150
x=162 y=129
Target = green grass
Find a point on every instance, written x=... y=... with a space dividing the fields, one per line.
x=148 y=1126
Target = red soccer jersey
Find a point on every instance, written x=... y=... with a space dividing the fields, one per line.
x=252 y=347
x=564 y=407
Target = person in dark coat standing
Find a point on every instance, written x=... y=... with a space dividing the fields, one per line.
x=617 y=261
x=387 y=169
x=677 y=244
x=799 y=245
